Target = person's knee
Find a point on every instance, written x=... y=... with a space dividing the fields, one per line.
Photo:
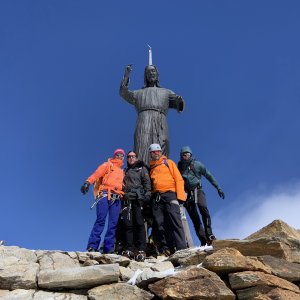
x=203 y=210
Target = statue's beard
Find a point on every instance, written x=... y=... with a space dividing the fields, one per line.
x=151 y=81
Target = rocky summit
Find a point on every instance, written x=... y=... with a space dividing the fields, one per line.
x=265 y=265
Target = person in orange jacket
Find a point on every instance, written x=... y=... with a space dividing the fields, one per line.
x=167 y=189
x=108 y=183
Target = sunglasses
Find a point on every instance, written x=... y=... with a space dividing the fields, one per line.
x=119 y=155
x=131 y=156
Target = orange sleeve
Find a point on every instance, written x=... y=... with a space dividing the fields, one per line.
x=101 y=170
x=179 y=182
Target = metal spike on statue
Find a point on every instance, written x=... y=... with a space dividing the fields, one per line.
x=150 y=56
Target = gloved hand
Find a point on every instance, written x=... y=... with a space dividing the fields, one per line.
x=85 y=188
x=181 y=202
x=221 y=193
x=147 y=198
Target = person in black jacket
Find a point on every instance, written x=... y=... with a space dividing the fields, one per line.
x=137 y=189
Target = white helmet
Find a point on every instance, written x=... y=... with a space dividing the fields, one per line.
x=154 y=147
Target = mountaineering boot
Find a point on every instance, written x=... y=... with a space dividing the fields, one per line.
x=201 y=236
x=109 y=252
x=165 y=251
x=140 y=256
x=210 y=239
x=129 y=254
x=203 y=240
x=90 y=249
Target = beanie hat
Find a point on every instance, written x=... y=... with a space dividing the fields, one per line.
x=119 y=151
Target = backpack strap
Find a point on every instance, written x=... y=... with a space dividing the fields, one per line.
x=192 y=168
x=166 y=163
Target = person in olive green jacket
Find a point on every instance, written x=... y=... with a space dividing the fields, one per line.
x=191 y=171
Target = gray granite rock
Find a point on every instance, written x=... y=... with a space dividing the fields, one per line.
x=118 y=291
x=77 y=278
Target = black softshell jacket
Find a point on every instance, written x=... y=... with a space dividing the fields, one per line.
x=137 y=179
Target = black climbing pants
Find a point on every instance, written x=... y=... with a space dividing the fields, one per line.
x=167 y=218
x=134 y=229
x=191 y=206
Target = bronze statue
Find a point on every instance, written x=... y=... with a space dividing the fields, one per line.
x=151 y=103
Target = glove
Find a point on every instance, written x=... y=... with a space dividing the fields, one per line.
x=85 y=188
x=181 y=202
x=147 y=198
x=221 y=193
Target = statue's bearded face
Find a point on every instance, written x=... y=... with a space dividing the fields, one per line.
x=151 y=74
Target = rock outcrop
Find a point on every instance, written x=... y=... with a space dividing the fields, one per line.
x=277 y=239
x=265 y=265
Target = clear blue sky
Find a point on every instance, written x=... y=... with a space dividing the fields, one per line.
x=236 y=63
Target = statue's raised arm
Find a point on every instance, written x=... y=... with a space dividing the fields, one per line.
x=124 y=92
x=127 y=72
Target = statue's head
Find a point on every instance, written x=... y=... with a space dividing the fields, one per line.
x=151 y=76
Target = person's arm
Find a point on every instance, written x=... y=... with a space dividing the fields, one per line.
x=146 y=182
x=101 y=170
x=124 y=92
x=206 y=173
x=179 y=182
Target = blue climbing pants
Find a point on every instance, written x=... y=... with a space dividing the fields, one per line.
x=104 y=207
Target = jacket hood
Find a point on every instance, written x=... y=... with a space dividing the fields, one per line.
x=186 y=149
x=116 y=162
x=157 y=162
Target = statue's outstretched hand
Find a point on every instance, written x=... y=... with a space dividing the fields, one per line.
x=176 y=102
x=181 y=104
x=128 y=70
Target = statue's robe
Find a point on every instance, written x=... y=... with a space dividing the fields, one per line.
x=151 y=104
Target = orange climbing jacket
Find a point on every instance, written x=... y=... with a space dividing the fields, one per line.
x=108 y=177
x=165 y=177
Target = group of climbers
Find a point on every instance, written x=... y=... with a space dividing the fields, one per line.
x=161 y=188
